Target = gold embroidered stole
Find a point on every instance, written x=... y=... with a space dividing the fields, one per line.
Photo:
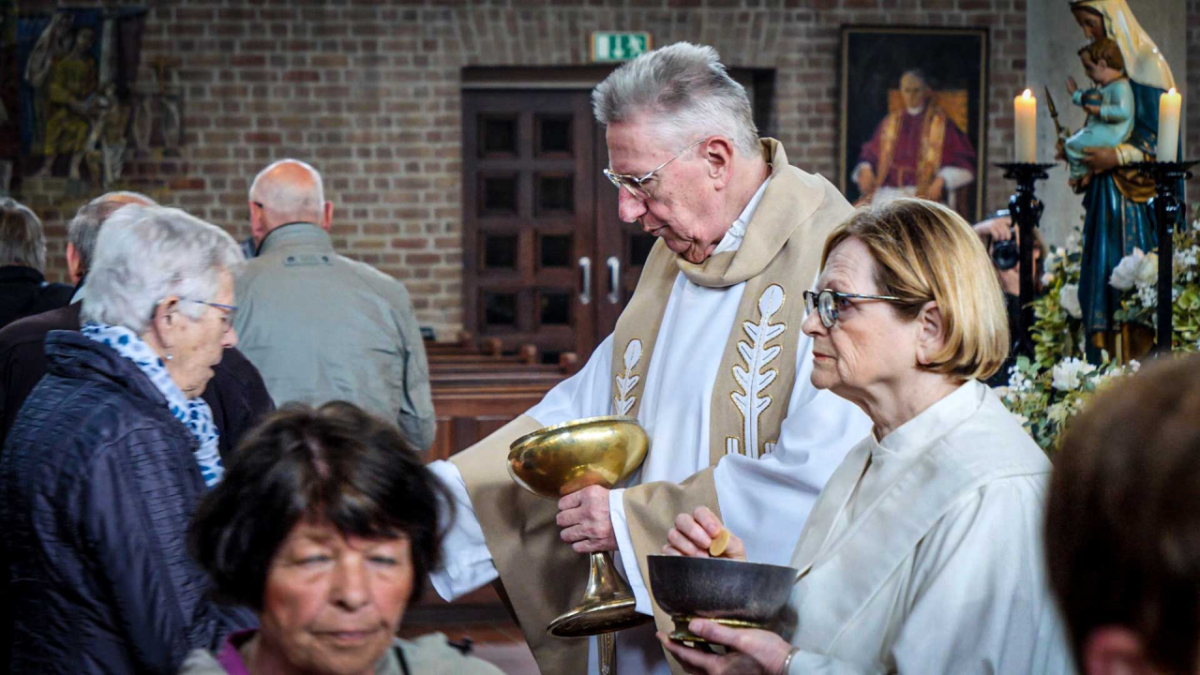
x=887 y=147
x=929 y=157
x=778 y=260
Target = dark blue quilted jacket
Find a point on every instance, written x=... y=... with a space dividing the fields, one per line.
x=97 y=484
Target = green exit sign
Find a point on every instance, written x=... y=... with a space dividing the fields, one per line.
x=619 y=46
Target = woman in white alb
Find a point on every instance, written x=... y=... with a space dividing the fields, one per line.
x=922 y=553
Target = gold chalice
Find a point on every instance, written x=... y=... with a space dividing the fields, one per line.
x=561 y=459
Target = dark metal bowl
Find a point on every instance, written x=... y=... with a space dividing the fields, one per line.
x=732 y=592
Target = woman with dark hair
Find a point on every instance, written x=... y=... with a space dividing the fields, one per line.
x=326 y=525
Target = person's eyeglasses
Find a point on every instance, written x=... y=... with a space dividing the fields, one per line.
x=638 y=186
x=228 y=313
x=826 y=303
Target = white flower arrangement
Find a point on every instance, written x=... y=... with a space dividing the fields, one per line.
x=1068 y=297
x=1069 y=374
x=1137 y=269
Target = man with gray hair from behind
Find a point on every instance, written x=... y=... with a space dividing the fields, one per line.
x=320 y=326
x=23 y=288
x=708 y=356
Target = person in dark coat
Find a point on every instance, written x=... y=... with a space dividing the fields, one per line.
x=23 y=288
x=111 y=454
x=236 y=394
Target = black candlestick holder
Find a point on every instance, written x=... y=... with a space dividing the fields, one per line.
x=1169 y=210
x=1026 y=211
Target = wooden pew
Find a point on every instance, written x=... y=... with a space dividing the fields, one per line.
x=526 y=355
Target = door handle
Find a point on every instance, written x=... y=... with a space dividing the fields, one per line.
x=614 y=280
x=585 y=296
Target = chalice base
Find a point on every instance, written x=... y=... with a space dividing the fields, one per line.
x=682 y=634
x=607 y=605
x=597 y=617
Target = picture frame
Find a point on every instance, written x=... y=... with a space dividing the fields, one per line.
x=940 y=141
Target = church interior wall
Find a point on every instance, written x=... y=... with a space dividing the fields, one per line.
x=369 y=92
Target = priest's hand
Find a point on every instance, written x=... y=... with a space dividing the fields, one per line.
x=1100 y=160
x=752 y=651
x=583 y=515
x=693 y=534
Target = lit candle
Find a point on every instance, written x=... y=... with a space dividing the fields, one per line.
x=1025 y=108
x=1168 y=126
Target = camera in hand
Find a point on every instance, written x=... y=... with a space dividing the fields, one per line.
x=1006 y=254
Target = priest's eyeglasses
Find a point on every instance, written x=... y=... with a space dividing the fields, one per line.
x=827 y=302
x=638 y=186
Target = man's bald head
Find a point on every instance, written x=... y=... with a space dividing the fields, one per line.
x=287 y=191
x=85 y=227
x=124 y=197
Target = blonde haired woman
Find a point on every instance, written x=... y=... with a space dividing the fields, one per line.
x=922 y=553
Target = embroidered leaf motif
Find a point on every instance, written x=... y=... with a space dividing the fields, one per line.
x=753 y=378
x=770 y=301
x=623 y=402
x=633 y=354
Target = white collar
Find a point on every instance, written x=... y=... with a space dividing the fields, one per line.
x=733 y=238
x=933 y=422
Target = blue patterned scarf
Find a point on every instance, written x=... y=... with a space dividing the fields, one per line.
x=193 y=413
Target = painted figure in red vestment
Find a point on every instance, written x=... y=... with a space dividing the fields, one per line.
x=917 y=151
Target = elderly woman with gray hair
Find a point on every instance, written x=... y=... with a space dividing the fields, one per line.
x=112 y=452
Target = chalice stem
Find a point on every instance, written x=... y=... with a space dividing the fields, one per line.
x=608 y=653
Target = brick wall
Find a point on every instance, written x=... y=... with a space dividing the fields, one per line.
x=368 y=90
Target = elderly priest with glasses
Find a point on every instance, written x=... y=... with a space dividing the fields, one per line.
x=708 y=356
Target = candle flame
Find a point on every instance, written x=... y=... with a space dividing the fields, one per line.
x=1027 y=95
x=1172 y=92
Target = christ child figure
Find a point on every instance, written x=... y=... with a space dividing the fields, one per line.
x=1109 y=105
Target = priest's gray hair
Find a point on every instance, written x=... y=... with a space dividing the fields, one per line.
x=22 y=240
x=85 y=226
x=147 y=253
x=686 y=92
x=287 y=197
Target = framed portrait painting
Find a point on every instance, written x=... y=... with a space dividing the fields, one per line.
x=914 y=115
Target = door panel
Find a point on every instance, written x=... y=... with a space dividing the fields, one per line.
x=528 y=211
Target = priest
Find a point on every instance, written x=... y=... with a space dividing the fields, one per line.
x=708 y=356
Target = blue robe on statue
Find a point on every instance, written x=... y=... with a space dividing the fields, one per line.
x=1117 y=220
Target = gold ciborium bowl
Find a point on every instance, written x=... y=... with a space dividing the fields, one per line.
x=564 y=458
x=731 y=592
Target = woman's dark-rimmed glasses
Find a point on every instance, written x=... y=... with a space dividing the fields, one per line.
x=826 y=303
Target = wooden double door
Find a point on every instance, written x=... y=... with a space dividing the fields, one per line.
x=547 y=261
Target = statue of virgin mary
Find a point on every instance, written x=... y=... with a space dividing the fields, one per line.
x=1119 y=218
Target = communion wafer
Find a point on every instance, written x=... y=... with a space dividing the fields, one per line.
x=719 y=543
